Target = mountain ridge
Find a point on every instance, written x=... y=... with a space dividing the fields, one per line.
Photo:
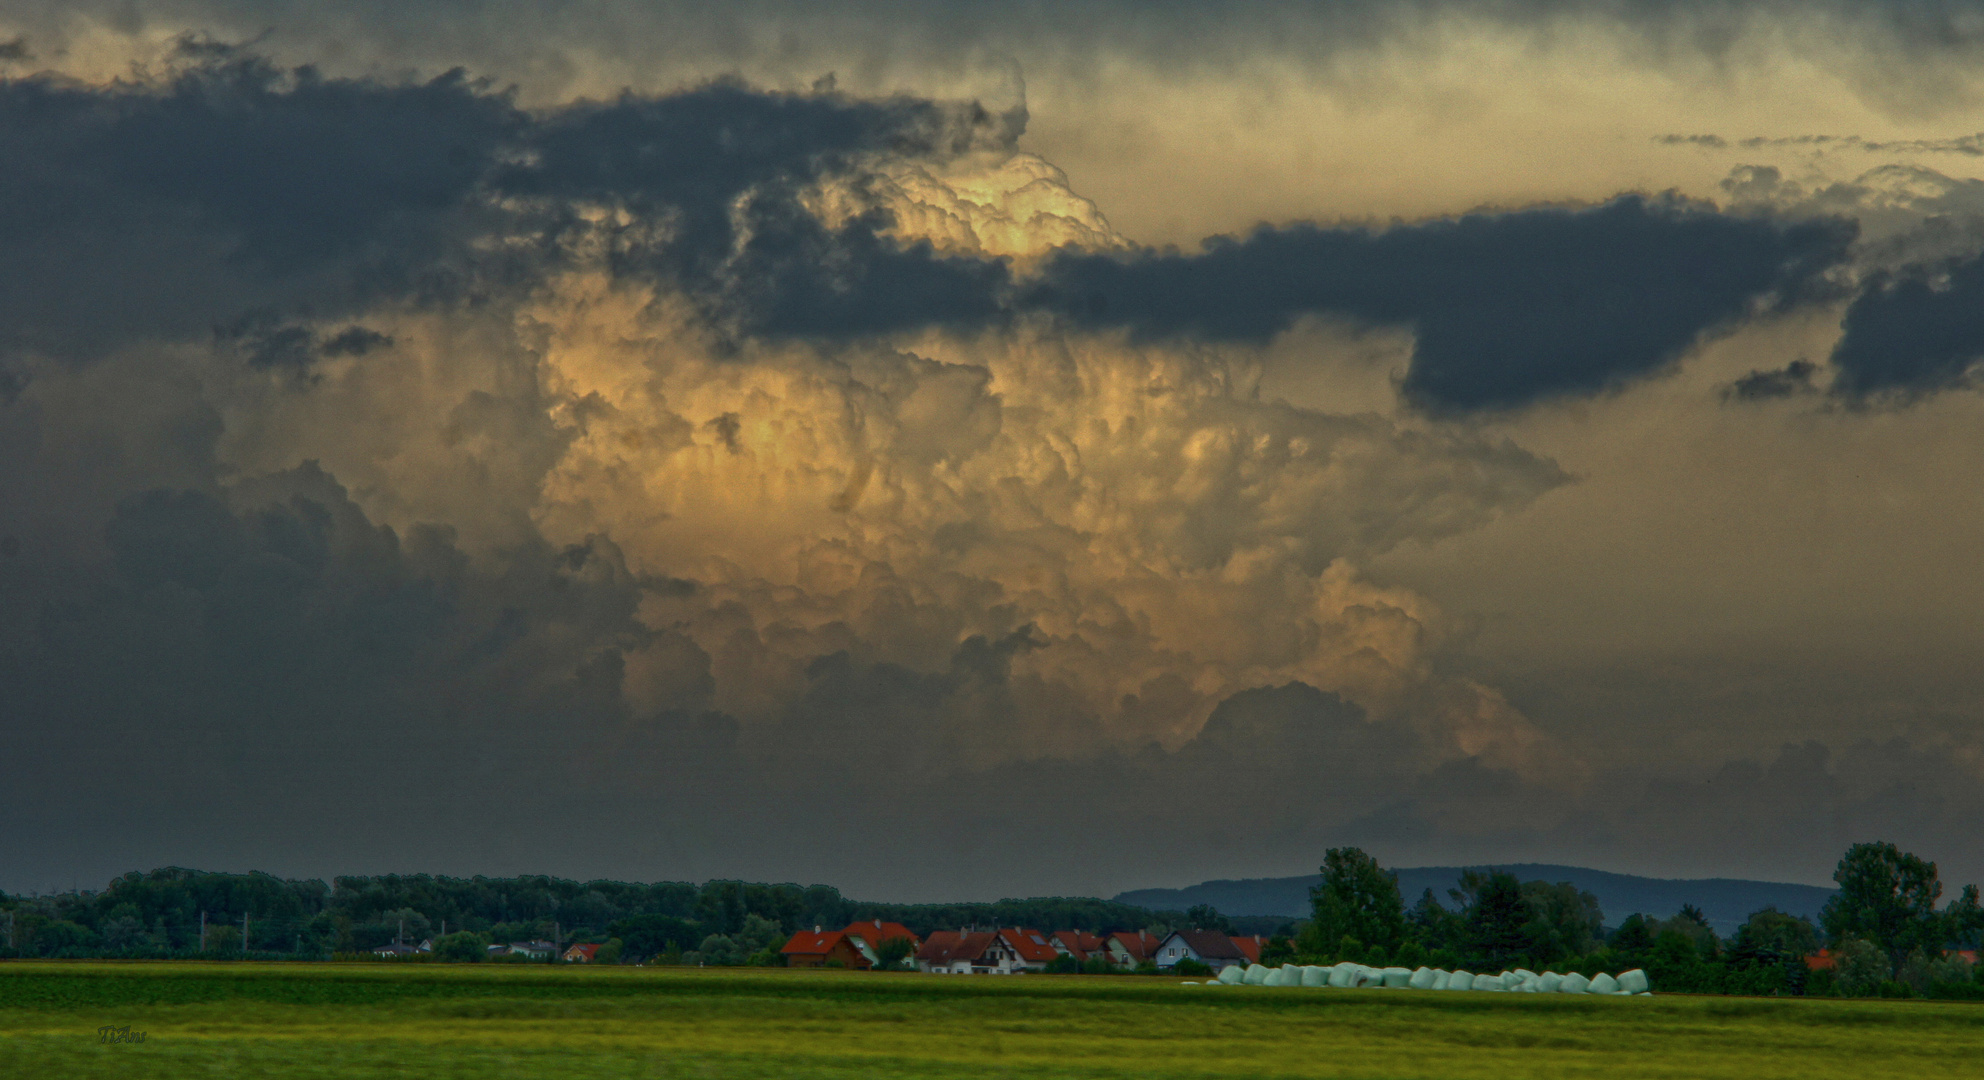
x=1726 y=902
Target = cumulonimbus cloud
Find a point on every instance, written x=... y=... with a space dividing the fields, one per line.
x=693 y=441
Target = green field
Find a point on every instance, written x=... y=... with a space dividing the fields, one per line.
x=229 y=1020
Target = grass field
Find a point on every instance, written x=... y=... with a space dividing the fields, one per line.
x=239 y=1020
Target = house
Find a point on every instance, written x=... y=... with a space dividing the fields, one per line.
x=985 y=952
x=1250 y=946
x=1126 y=949
x=1032 y=946
x=580 y=954
x=818 y=948
x=536 y=950
x=1208 y=947
x=867 y=936
x=1823 y=960
x=395 y=950
x=1079 y=944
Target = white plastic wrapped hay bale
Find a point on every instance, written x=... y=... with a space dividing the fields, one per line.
x=1272 y=978
x=1549 y=982
x=1232 y=975
x=1421 y=979
x=1343 y=976
x=1256 y=975
x=1633 y=982
x=1397 y=978
x=1487 y=982
x=1315 y=976
x=1370 y=976
x=1604 y=984
x=1575 y=983
x=1460 y=980
x=1441 y=976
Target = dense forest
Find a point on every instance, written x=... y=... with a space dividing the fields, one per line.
x=178 y=912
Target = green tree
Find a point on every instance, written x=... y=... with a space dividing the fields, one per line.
x=1433 y=926
x=1963 y=920
x=1495 y=917
x=1357 y=899
x=1772 y=937
x=609 y=953
x=1207 y=917
x=1859 y=967
x=1564 y=921
x=1888 y=897
x=719 y=950
x=892 y=952
x=654 y=935
x=462 y=948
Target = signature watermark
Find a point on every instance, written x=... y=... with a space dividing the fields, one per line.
x=108 y=1034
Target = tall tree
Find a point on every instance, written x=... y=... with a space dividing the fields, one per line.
x=1564 y=920
x=1888 y=897
x=1496 y=915
x=1207 y=917
x=1357 y=899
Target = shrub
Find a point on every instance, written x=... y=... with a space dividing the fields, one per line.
x=1189 y=966
x=1860 y=967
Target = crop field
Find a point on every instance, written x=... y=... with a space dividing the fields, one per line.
x=239 y=1020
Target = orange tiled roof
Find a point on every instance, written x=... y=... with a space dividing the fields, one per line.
x=1139 y=944
x=812 y=943
x=875 y=931
x=1250 y=947
x=945 y=947
x=1032 y=945
x=1079 y=943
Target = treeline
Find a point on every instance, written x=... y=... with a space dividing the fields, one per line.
x=1883 y=932
x=177 y=912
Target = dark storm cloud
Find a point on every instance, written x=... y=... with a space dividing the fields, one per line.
x=1913 y=332
x=685 y=161
x=1508 y=308
x=231 y=192
x=1793 y=379
x=270 y=664
x=158 y=208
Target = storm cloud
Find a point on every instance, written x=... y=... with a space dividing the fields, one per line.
x=492 y=468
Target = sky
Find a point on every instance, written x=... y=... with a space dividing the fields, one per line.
x=952 y=451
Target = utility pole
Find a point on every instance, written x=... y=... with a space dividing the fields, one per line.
x=203 y=929
x=244 y=931
x=401 y=939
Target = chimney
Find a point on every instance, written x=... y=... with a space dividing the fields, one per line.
x=816 y=928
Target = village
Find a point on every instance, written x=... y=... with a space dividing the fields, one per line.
x=1015 y=950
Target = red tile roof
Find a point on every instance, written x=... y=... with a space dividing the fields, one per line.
x=946 y=947
x=585 y=951
x=1140 y=944
x=812 y=943
x=1032 y=945
x=1079 y=943
x=1250 y=947
x=1822 y=960
x=875 y=931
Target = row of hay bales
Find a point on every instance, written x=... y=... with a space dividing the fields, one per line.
x=1346 y=976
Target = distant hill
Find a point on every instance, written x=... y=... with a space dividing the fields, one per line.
x=1726 y=901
